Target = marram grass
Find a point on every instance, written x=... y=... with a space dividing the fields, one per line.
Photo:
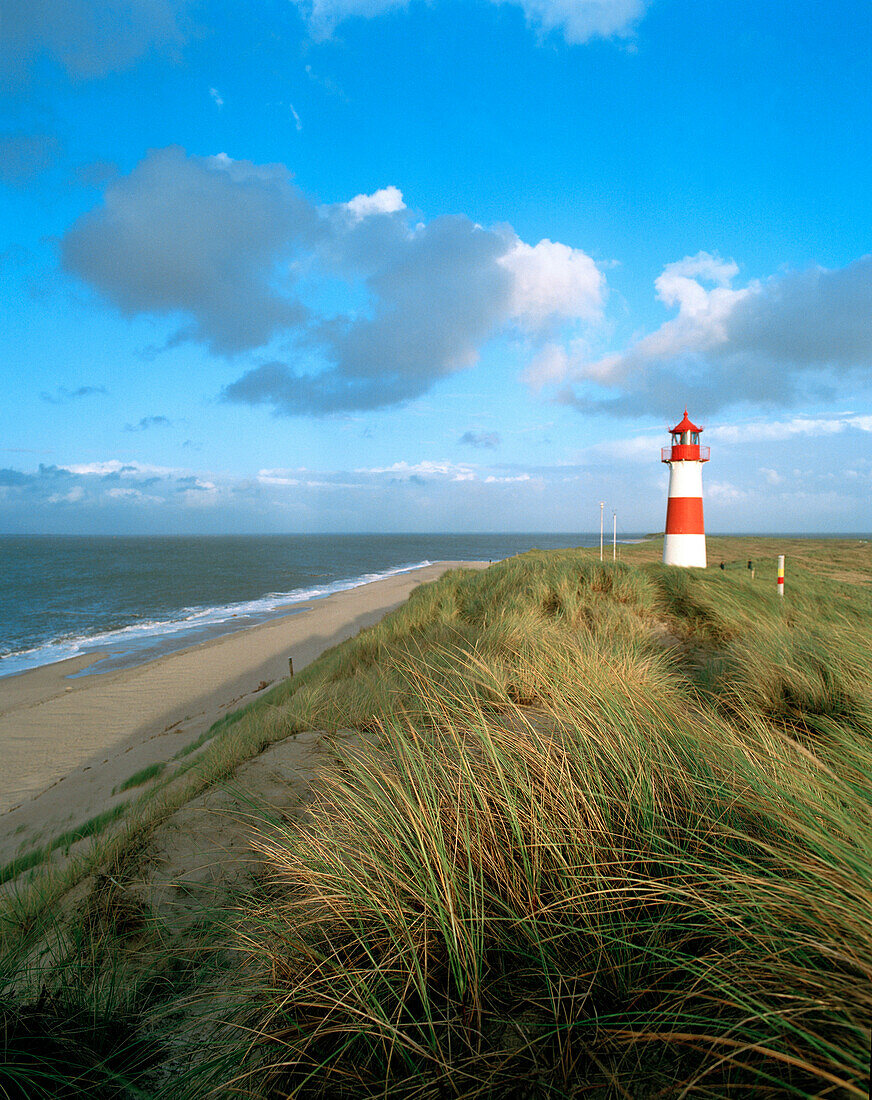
x=562 y=867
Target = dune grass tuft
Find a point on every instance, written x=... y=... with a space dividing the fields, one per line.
x=90 y=828
x=143 y=776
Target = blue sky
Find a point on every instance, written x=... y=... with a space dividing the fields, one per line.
x=367 y=265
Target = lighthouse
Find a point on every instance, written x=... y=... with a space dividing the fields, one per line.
x=685 y=534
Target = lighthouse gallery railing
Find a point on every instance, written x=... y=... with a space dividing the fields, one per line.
x=685 y=451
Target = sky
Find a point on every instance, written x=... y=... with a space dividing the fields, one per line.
x=455 y=265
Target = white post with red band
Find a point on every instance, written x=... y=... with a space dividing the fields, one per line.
x=780 y=581
x=684 y=544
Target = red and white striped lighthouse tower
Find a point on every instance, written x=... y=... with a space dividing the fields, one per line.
x=685 y=533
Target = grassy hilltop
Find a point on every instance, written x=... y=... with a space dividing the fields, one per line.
x=577 y=829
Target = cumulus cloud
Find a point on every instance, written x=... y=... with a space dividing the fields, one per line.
x=436 y=296
x=433 y=292
x=770 y=342
x=24 y=156
x=200 y=236
x=437 y=292
x=577 y=20
x=581 y=20
x=88 y=38
x=389 y=200
x=553 y=282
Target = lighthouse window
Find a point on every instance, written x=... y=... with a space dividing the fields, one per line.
x=694 y=437
x=676 y=438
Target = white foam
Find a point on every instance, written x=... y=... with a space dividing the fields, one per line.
x=188 y=620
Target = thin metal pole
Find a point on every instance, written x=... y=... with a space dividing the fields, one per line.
x=602 y=502
x=615 y=537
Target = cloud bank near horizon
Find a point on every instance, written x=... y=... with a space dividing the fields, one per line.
x=85 y=496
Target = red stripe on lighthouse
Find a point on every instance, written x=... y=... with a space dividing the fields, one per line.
x=684 y=516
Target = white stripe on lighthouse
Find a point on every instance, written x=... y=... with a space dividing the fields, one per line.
x=686 y=550
x=685 y=479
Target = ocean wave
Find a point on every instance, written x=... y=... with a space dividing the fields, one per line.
x=186 y=621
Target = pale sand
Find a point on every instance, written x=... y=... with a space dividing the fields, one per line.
x=66 y=743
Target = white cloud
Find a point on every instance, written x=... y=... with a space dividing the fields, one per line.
x=581 y=20
x=492 y=479
x=553 y=282
x=682 y=276
x=73 y=496
x=724 y=492
x=552 y=364
x=769 y=342
x=452 y=470
x=298 y=122
x=277 y=477
x=577 y=20
x=124 y=494
x=217 y=98
x=388 y=200
x=700 y=325
x=122 y=468
x=640 y=448
x=763 y=430
x=772 y=476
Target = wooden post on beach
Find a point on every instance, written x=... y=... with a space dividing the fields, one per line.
x=780 y=581
x=291 y=665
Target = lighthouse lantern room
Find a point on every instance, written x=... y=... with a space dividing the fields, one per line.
x=684 y=543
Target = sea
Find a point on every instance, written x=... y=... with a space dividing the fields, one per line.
x=136 y=598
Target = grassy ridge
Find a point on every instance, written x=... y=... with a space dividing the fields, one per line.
x=613 y=835
x=609 y=834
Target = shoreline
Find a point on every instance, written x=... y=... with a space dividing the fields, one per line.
x=68 y=743
x=141 y=642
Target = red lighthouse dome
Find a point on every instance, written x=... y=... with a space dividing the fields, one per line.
x=685 y=443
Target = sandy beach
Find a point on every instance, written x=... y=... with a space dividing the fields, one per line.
x=65 y=744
